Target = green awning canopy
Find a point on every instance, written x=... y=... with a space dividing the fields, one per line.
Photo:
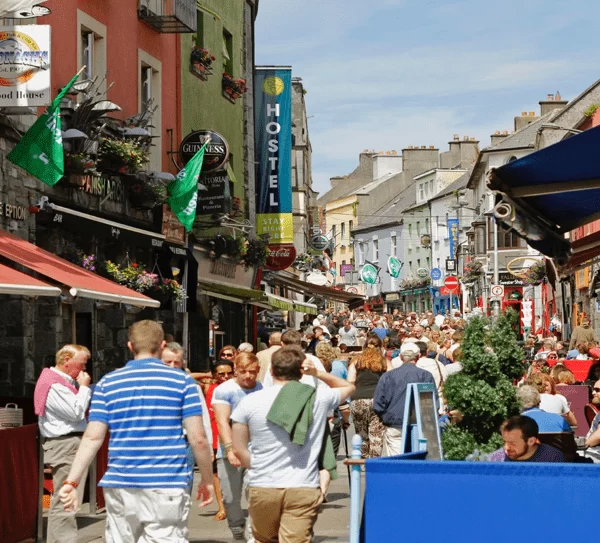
x=285 y=304
x=233 y=294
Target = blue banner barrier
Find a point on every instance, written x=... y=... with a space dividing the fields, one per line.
x=471 y=502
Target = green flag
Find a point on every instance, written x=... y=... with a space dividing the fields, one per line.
x=183 y=192
x=40 y=150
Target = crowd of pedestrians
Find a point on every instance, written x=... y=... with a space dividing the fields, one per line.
x=267 y=426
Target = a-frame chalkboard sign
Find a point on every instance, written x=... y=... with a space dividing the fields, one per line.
x=420 y=429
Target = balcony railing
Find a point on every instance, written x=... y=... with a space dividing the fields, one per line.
x=169 y=16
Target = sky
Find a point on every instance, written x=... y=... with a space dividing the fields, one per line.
x=385 y=74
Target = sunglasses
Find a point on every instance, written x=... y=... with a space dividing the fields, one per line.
x=596 y=389
x=227 y=354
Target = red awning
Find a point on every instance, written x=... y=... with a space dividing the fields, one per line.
x=80 y=281
x=15 y=282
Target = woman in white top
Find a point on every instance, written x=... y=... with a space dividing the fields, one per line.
x=551 y=402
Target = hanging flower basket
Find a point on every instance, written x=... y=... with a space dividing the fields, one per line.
x=535 y=274
x=145 y=192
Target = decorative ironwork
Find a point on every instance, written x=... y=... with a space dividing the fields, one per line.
x=169 y=16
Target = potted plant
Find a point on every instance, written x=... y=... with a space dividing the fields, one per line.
x=75 y=255
x=147 y=192
x=255 y=254
x=117 y=156
x=81 y=164
x=233 y=87
x=201 y=60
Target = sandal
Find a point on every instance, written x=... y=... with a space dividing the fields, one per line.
x=221 y=515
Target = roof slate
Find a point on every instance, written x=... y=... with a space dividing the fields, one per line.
x=390 y=213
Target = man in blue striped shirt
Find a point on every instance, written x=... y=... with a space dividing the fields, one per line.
x=145 y=405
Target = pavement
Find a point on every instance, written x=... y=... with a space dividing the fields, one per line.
x=332 y=524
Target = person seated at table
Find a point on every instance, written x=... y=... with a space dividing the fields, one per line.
x=521 y=443
x=529 y=400
x=551 y=402
x=565 y=377
x=592 y=441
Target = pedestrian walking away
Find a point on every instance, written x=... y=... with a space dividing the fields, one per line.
x=145 y=405
x=286 y=424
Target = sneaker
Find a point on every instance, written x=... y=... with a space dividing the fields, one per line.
x=238 y=533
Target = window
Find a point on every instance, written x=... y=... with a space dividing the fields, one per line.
x=200 y=29
x=361 y=254
x=376 y=250
x=227 y=52
x=350 y=227
x=91 y=48
x=146 y=79
x=393 y=246
x=431 y=187
x=343 y=233
x=421 y=191
x=428 y=262
x=409 y=228
x=333 y=233
x=87 y=53
x=427 y=226
x=418 y=262
x=507 y=239
x=150 y=95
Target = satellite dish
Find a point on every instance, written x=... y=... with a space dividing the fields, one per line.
x=105 y=106
x=23 y=9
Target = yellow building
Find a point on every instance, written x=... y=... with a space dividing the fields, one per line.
x=340 y=218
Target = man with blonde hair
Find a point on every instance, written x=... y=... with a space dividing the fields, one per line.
x=61 y=398
x=146 y=405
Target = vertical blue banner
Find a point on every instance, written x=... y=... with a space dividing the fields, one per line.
x=273 y=110
x=453 y=237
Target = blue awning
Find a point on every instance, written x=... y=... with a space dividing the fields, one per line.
x=550 y=192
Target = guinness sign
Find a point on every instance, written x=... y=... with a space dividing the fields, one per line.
x=215 y=155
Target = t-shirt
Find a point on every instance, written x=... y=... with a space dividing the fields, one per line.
x=144 y=405
x=276 y=462
x=544 y=453
x=348 y=336
x=554 y=403
x=547 y=422
x=230 y=393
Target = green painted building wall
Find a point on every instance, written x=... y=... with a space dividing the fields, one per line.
x=203 y=104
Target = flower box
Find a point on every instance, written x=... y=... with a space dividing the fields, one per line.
x=233 y=88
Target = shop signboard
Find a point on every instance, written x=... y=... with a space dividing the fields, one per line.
x=273 y=110
x=509 y=280
x=319 y=243
x=25 y=66
x=280 y=257
x=345 y=268
x=172 y=229
x=368 y=274
x=422 y=273
x=217 y=196
x=394 y=267
x=216 y=153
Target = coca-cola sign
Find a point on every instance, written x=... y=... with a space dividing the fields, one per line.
x=280 y=257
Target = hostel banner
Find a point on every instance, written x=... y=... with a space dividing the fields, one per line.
x=453 y=237
x=273 y=109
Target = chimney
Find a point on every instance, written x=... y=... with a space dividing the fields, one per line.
x=498 y=136
x=552 y=102
x=527 y=117
x=456 y=137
